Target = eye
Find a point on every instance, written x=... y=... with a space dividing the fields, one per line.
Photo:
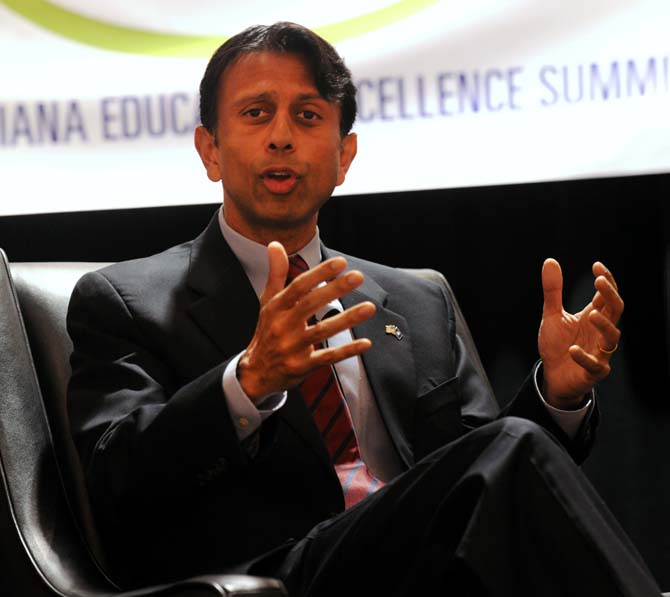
x=309 y=115
x=254 y=112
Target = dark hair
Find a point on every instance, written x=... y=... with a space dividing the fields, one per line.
x=331 y=77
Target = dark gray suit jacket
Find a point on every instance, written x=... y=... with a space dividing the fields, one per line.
x=172 y=488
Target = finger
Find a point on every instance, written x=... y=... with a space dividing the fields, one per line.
x=608 y=331
x=342 y=321
x=324 y=294
x=278 y=261
x=309 y=280
x=552 y=286
x=599 y=269
x=330 y=356
x=596 y=368
x=607 y=299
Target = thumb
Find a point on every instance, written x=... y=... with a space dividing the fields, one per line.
x=552 y=286
x=278 y=261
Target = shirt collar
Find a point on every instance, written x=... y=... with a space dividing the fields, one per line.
x=254 y=256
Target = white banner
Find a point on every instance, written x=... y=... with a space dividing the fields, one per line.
x=98 y=101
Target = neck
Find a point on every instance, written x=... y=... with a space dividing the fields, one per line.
x=292 y=238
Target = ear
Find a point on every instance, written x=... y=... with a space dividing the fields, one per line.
x=347 y=154
x=207 y=150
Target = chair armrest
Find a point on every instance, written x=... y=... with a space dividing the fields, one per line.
x=223 y=585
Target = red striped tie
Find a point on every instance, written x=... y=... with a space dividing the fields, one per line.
x=322 y=393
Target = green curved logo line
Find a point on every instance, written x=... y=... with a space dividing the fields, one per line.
x=99 y=34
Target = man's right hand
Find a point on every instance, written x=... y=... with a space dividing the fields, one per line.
x=282 y=351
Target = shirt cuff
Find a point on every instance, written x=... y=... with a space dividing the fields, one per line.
x=246 y=416
x=569 y=421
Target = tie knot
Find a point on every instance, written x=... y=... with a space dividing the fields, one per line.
x=296 y=266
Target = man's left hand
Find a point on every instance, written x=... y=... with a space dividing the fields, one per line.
x=576 y=348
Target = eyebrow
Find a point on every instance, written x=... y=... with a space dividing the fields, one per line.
x=311 y=96
x=269 y=96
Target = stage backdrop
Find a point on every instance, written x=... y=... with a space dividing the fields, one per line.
x=98 y=101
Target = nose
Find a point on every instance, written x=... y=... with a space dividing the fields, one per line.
x=281 y=134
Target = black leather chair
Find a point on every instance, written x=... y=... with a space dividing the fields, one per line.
x=48 y=542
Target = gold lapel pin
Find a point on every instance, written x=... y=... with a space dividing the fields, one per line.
x=393 y=330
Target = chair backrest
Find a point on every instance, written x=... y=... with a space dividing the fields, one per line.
x=49 y=545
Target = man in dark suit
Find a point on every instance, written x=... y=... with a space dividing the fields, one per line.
x=202 y=378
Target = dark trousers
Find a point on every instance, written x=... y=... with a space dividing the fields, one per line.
x=502 y=511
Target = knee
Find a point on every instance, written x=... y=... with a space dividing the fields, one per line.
x=528 y=433
x=519 y=427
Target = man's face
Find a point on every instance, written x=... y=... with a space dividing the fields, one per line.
x=279 y=152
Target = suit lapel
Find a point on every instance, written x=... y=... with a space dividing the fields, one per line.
x=389 y=364
x=226 y=310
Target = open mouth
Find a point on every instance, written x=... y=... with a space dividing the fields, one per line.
x=279 y=174
x=280 y=180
